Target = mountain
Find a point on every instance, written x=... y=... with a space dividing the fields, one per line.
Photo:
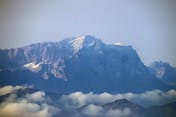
x=77 y=64
x=122 y=104
x=164 y=71
x=166 y=110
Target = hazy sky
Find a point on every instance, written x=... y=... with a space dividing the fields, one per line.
x=148 y=25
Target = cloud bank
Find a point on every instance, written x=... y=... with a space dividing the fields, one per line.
x=29 y=105
x=8 y=89
x=97 y=111
x=76 y=104
x=149 y=98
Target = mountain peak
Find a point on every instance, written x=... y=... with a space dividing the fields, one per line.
x=122 y=104
x=160 y=64
x=77 y=43
x=85 y=38
x=83 y=41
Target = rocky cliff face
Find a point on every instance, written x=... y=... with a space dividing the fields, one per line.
x=83 y=63
x=164 y=71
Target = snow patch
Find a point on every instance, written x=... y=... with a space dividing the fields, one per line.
x=33 y=67
x=77 y=43
x=45 y=76
x=160 y=72
x=91 y=44
x=119 y=44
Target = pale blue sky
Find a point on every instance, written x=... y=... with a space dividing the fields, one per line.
x=148 y=25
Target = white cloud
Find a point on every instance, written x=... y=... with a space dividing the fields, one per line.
x=148 y=98
x=37 y=103
x=118 y=113
x=8 y=89
x=26 y=106
x=36 y=96
x=92 y=110
x=26 y=109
